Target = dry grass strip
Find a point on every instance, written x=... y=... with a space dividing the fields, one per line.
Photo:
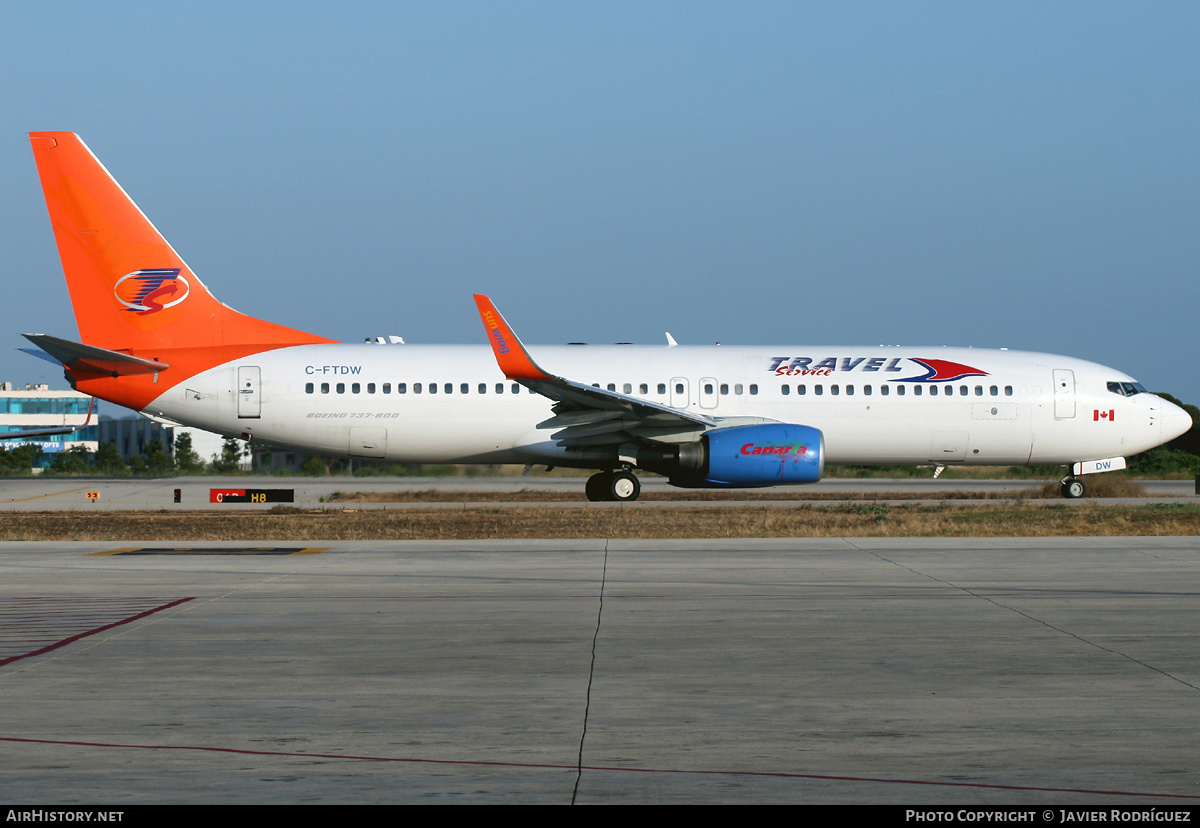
x=1014 y=519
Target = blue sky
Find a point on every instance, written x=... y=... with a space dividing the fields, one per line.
x=1019 y=175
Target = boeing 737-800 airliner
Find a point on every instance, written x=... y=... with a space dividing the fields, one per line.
x=156 y=340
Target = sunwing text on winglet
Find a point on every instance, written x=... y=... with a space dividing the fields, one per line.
x=510 y=353
x=703 y=417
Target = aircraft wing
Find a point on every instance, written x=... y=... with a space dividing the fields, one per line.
x=584 y=414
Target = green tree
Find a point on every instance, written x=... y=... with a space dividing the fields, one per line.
x=231 y=454
x=186 y=458
x=1189 y=441
x=19 y=460
x=158 y=462
x=313 y=466
x=1164 y=460
x=108 y=461
x=72 y=461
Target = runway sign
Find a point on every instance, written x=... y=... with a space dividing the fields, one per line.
x=251 y=495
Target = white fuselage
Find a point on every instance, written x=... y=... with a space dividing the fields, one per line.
x=451 y=404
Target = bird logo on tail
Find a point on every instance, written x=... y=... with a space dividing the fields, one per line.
x=151 y=290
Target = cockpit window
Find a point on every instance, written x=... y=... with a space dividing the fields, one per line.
x=1126 y=389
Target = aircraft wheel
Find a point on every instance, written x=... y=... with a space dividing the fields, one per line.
x=597 y=487
x=1072 y=487
x=624 y=487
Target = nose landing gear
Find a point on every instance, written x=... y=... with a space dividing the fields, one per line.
x=1072 y=487
x=622 y=486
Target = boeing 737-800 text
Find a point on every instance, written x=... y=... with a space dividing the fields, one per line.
x=153 y=338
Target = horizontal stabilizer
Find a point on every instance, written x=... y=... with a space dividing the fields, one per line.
x=40 y=354
x=90 y=359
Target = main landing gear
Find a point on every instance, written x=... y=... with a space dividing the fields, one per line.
x=621 y=485
x=1072 y=487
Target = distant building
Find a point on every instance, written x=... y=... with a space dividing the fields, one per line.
x=135 y=435
x=275 y=461
x=36 y=406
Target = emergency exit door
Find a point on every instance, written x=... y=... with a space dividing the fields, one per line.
x=249 y=391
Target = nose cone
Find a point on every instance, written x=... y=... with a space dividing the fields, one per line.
x=1175 y=421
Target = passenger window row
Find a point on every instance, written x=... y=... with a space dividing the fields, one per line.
x=627 y=388
x=482 y=388
x=405 y=388
x=901 y=390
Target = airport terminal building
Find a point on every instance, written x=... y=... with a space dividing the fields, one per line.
x=36 y=406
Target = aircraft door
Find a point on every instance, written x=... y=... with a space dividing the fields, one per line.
x=249 y=391
x=680 y=398
x=1064 y=394
x=708 y=392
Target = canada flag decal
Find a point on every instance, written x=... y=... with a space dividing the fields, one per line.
x=151 y=290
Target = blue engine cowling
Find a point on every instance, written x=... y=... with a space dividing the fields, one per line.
x=762 y=455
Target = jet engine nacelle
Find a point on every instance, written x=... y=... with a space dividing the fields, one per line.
x=771 y=454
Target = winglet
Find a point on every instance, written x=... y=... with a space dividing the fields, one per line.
x=511 y=355
x=88 y=421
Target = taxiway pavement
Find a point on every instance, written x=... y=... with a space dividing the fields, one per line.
x=918 y=671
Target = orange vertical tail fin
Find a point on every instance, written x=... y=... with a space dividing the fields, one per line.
x=130 y=290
